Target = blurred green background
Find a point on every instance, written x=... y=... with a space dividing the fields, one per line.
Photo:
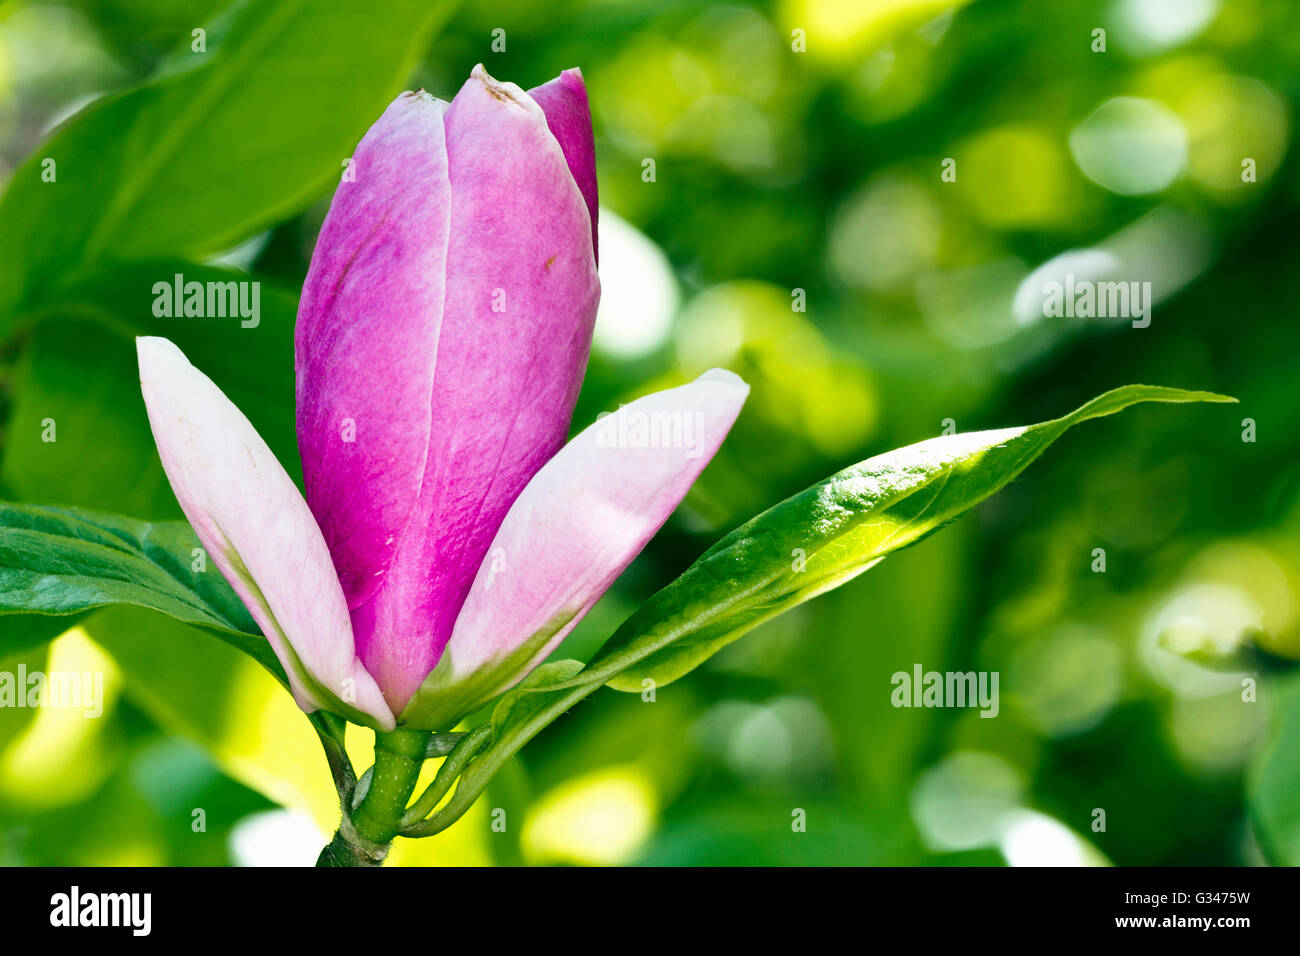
x=776 y=170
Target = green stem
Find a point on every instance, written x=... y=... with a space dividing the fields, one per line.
x=331 y=730
x=364 y=834
x=464 y=751
x=442 y=744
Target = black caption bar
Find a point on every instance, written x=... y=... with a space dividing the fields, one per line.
x=336 y=907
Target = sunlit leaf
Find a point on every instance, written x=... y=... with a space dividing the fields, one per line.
x=195 y=161
x=829 y=534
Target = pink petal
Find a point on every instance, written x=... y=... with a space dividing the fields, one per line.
x=578 y=524
x=259 y=532
x=521 y=295
x=568 y=114
x=367 y=336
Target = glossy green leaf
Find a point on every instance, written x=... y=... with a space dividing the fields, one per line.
x=829 y=534
x=211 y=152
x=61 y=561
x=802 y=547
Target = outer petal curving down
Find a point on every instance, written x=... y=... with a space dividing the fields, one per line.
x=578 y=524
x=260 y=533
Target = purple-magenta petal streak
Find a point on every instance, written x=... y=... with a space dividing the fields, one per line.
x=366 y=339
x=568 y=115
x=457 y=354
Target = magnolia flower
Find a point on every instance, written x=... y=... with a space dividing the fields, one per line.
x=449 y=538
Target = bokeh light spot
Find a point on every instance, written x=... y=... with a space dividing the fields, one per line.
x=599 y=819
x=1130 y=146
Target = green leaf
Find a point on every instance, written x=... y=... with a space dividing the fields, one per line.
x=203 y=157
x=842 y=525
x=141 y=31
x=78 y=370
x=1275 y=783
x=60 y=561
x=21 y=633
x=829 y=534
x=519 y=705
x=76 y=402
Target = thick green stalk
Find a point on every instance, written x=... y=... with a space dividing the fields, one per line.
x=364 y=834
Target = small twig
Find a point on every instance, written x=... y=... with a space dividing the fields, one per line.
x=331 y=739
x=464 y=750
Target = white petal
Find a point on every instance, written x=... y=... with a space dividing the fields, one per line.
x=576 y=526
x=259 y=532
